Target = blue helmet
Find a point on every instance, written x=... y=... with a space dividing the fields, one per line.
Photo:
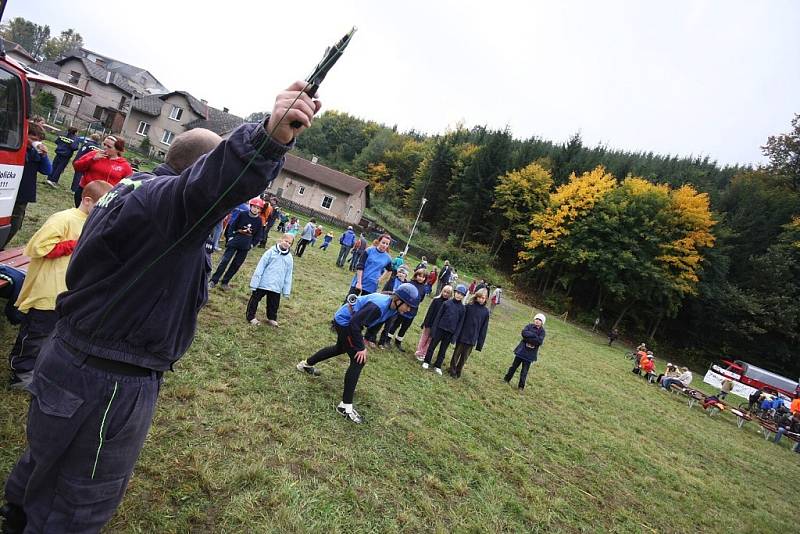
x=408 y=294
x=461 y=288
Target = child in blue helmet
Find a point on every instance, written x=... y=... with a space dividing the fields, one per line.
x=369 y=311
x=446 y=328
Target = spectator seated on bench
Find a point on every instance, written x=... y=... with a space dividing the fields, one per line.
x=647 y=366
x=788 y=425
x=683 y=380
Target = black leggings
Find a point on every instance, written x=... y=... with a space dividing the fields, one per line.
x=442 y=338
x=343 y=346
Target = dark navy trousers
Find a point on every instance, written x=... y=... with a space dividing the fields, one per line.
x=59 y=164
x=36 y=327
x=523 y=376
x=441 y=338
x=233 y=256
x=86 y=428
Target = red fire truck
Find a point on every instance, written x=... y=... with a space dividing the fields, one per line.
x=15 y=99
x=748 y=378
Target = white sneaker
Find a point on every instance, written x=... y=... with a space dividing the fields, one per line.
x=255 y=322
x=272 y=323
x=438 y=371
x=353 y=415
x=308 y=369
x=51 y=184
x=420 y=358
x=425 y=364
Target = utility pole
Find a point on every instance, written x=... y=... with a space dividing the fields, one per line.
x=405 y=252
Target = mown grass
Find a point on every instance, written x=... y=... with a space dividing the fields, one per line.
x=242 y=442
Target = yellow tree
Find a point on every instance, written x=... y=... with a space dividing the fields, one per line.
x=519 y=195
x=547 y=249
x=689 y=218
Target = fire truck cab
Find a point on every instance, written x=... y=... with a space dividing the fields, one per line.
x=15 y=98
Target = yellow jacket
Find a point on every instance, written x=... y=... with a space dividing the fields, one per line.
x=46 y=277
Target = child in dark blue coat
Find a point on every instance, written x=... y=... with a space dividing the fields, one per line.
x=446 y=328
x=246 y=230
x=527 y=351
x=473 y=332
x=427 y=322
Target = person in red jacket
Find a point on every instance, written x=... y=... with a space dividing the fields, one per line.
x=106 y=164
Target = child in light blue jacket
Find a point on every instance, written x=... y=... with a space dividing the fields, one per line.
x=273 y=277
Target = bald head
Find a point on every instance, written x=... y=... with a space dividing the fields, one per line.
x=189 y=146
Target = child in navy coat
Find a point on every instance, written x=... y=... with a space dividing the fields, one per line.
x=473 y=332
x=527 y=351
x=446 y=328
x=430 y=316
x=246 y=230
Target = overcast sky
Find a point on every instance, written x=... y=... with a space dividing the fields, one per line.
x=681 y=77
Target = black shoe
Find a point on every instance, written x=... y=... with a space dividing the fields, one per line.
x=399 y=345
x=14 y=519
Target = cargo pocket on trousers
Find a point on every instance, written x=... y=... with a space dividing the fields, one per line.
x=52 y=398
x=83 y=505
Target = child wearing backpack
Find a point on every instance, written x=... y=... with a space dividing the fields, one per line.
x=527 y=351
x=446 y=328
x=473 y=331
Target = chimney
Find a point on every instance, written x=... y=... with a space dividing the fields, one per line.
x=224 y=110
x=204 y=101
x=314 y=160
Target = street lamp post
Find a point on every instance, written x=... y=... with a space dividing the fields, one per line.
x=405 y=251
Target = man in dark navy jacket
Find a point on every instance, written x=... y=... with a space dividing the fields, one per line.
x=66 y=145
x=137 y=280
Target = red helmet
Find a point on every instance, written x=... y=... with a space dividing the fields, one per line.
x=256 y=202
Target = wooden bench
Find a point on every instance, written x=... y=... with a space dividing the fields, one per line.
x=720 y=406
x=16 y=259
x=694 y=396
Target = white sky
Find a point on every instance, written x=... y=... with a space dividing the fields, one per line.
x=681 y=77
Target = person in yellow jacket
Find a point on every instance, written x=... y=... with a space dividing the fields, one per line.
x=49 y=249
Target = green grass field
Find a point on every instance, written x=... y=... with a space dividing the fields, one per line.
x=242 y=442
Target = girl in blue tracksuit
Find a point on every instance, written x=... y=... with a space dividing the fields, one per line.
x=446 y=328
x=527 y=351
x=473 y=332
x=368 y=311
x=372 y=264
x=272 y=277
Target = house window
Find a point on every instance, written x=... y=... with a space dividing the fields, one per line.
x=74 y=77
x=98 y=112
x=301 y=190
x=66 y=100
x=327 y=201
x=122 y=101
x=167 y=137
x=143 y=128
x=176 y=113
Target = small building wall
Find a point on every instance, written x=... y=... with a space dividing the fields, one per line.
x=344 y=206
